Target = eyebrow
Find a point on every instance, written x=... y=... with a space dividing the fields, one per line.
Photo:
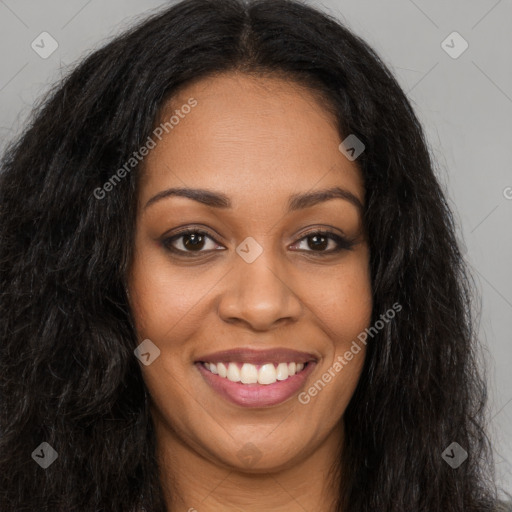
x=295 y=201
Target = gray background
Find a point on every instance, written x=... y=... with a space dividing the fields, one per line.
x=464 y=103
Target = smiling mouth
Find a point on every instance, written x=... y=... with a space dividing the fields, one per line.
x=256 y=378
x=261 y=388
x=247 y=373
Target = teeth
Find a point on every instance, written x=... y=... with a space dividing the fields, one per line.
x=250 y=374
x=267 y=374
x=282 y=371
x=233 y=373
x=222 y=370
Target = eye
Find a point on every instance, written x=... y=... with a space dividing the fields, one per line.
x=318 y=241
x=190 y=240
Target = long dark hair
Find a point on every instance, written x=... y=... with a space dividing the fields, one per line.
x=68 y=375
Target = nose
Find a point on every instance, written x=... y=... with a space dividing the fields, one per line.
x=260 y=294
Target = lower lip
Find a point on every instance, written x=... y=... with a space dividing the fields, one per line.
x=257 y=395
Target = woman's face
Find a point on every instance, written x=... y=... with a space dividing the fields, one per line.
x=258 y=287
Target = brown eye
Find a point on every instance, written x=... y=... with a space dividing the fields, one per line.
x=190 y=241
x=318 y=242
x=194 y=241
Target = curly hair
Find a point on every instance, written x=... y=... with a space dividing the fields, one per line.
x=68 y=375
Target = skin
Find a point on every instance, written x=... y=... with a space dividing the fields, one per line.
x=258 y=141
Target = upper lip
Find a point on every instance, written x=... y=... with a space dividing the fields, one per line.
x=247 y=355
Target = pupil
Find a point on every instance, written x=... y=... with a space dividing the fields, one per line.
x=193 y=241
x=316 y=244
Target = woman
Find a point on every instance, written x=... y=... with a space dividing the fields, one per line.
x=230 y=281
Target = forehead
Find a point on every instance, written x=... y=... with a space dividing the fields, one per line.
x=248 y=135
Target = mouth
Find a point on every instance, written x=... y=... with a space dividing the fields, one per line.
x=252 y=378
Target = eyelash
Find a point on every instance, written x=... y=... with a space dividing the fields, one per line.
x=343 y=243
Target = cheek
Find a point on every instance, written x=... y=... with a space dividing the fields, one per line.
x=343 y=305
x=162 y=294
x=341 y=298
